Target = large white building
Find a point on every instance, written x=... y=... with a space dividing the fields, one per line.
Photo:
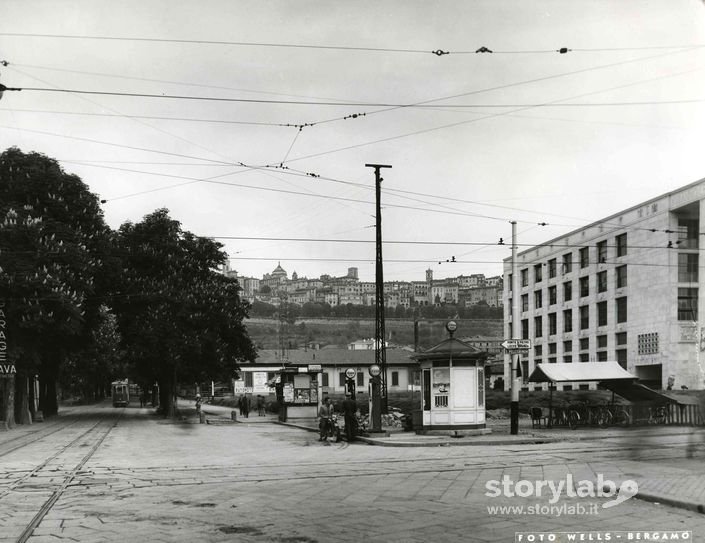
x=626 y=288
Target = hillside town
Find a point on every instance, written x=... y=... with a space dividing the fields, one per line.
x=463 y=290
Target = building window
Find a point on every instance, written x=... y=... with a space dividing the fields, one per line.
x=552 y=296
x=584 y=317
x=621 y=243
x=538 y=273
x=324 y=379
x=567 y=359
x=601 y=356
x=584 y=343
x=341 y=379
x=568 y=320
x=567 y=291
x=551 y=324
x=525 y=329
x=621 y=357
x=621 y=272
x=524 y=278
x=567 y=347
x=524 y=302
x=602 y=314
x=601 y=342
x=360 y=379
x=687 y=304
x=602 y=281
x=687 y=268
x=511 y=307
x=620 y=338
x=584 y=286
x=538 y=327
x=621 y=304
x=395 y=378
x=552 y=268
x=551 y=348
x=602 y=252
x=538 y=299
x=567 y=263
x=584 y=357
x=510 y=284
x=584 y=257
x=688 y=233
x=647 y=343
x=538 y=350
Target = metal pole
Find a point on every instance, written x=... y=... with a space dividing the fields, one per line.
x=380 y=352
x=516 y=331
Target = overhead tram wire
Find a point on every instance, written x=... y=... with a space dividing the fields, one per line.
x=358 y=104
x=142 y=123
x=437 y=52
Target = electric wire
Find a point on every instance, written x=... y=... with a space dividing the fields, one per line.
x=360 y=104
x=437 y=52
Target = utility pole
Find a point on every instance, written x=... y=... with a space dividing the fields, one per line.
x=380 y=353
x=516 y=331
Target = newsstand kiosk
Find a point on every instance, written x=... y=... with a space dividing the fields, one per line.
x=453 y=388
x=298 y=393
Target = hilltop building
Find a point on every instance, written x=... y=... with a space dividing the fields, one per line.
x=348 y=289
x=625 y=288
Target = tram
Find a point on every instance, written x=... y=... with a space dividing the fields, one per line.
x=121 y=393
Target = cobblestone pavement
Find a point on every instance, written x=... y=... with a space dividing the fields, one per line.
x=104 y=474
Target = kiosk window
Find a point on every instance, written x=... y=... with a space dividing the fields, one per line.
x=426 y=390
x=441 y=386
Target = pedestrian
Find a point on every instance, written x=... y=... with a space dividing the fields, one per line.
x=142 y=398
x=350 y=415
x=260 y=405
x=324 y=414
x=245 y=406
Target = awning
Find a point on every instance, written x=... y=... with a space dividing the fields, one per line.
x=634 y=392
x=580 y=371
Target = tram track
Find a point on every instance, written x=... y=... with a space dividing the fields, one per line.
x=38 y=436
x=101 y=433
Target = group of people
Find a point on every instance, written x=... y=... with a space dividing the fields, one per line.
x=245 y=404
x=326 y=412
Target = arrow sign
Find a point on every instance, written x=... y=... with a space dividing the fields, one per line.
x=517 y=344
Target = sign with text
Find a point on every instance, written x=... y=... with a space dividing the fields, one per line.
x=517 y=345
x=6 y=369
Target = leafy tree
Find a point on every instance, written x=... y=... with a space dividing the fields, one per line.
x=51 y=228
x=180 y=319
x=89 y=372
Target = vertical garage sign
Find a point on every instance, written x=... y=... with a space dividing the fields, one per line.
x=6 y=369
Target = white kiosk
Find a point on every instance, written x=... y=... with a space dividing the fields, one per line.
x=453 y=386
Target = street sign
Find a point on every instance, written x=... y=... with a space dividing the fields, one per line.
x=350 y=373
x=517 y=345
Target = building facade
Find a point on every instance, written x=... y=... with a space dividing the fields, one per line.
x=626 y=288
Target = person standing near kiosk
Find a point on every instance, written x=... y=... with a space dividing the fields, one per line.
x=349 y=412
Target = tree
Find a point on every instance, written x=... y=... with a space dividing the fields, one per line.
x=179 y=317
x=51 y=227
x=89 y=372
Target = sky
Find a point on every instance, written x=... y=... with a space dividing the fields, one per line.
x=253 y=122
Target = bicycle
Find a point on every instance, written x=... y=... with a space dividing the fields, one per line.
x=659 y=415
x=583 y=414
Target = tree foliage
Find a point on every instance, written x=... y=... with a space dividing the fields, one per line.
x=180 y=319
x=50 y=228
